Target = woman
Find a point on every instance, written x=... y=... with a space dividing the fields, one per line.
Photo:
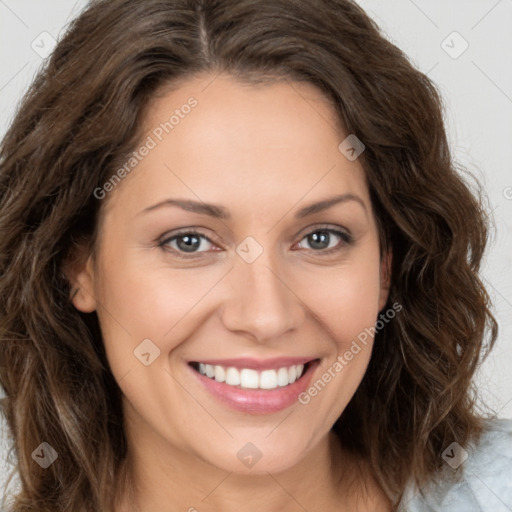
x=239 y=270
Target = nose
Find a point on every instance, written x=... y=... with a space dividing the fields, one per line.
x=263 y=303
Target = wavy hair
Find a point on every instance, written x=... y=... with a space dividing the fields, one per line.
x=81 y=118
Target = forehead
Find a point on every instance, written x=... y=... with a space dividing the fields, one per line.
x=258 y=116
x=216 y=138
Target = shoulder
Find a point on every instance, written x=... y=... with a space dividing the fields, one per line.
x=485 y=483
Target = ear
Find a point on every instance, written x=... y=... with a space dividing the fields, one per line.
x=385 y=278
x=80 y=274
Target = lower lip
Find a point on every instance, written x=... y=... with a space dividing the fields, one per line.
x=258 y=401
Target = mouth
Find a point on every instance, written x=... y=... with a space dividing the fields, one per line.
x=245 y=377
x=252 y=386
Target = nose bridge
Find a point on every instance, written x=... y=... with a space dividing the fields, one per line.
x=262 y=302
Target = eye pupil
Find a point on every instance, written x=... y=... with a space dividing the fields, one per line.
x=191 y=242
x=319 y=239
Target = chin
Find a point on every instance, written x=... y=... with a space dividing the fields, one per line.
x=255 y=458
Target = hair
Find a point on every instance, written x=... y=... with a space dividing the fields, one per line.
x=81 y=117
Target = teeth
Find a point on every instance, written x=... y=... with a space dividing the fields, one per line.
x=282 y=377
x=252 y=379
x=220 y=373
x=232 y=377
x=210 y=371
x=249 y=379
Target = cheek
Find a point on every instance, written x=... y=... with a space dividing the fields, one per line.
x=148 y=302
x=346 y=306
x=346 y=299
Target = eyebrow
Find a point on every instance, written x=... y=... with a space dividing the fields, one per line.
x=219 y=212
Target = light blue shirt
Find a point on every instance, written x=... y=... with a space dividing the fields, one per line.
x=486 y=480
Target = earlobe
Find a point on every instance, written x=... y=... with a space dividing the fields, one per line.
x=385 y=279
x=83 y=300
x=82 y=286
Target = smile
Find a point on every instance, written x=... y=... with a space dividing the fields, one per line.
x=247 y=378
x=252 y=386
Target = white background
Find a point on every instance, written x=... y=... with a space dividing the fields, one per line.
x=476 y=87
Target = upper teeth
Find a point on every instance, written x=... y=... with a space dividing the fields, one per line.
x=248 y=378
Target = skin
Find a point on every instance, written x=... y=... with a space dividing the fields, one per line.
x=262 y=152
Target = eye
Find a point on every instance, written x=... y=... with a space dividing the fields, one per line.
x=188 y=242
x=321 y=240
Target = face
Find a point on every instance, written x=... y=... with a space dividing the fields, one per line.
x=258 y=282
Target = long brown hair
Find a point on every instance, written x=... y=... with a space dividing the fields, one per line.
x=80 y=118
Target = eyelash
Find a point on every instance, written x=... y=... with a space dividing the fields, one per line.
x=345 y=237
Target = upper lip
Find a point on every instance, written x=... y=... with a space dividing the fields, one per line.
x=256 y=364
